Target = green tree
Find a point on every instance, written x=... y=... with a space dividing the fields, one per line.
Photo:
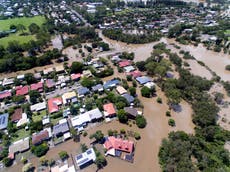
x=63 y=155
x=84 y=147
x=40 y=150
x=76 y=67
x=21 y=28
x=28 y=167
x=34 y=28
x=98 y=135
x=132 y=91
x=122 y=117
x=34 y=96
x=141 y=121
x=7 y=161
x=146 y=92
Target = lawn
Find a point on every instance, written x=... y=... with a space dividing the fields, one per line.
x=26 y=21
x=21 y=133
x=38 y=117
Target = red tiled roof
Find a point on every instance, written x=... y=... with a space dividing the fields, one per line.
x=39 y=137
x=135 y=73
x=17 y=115
x=5 y=94
x=22 y=90
x=53 y=104
x=75 y=76
x=38 y=86
x=124 y=63
x=50 y=83
x=109 y=108
x=119 y=144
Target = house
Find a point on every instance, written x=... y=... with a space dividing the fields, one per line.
x=121 y=90
x=22 y=90
x=21 y=77
x=37 y=76
x=118 y=144
x=98 y=88
x=130 y=99
x=80 y=121
x=19 y=147
x=59 y=69
x=37 y=86
x=111 y=83
x=43 y=135
x=70 y=97
x=54 y=104
x=5 y=94
x=38 y=106
x=150 y=85
x=131 y=112
x=4 y=121
x=50 y=83
x=115 y=58
x=61 y=128
x=64 y=168
x=124 y=63
x=45 y=120
x=86 y=73
x=135 y=73
x=76 y=77
x=109 y=110
x=7 y=81
x=86 y=158
x=82 y=91
x=17 y=115
x=47 y=71
x=129 y=69
x=143 y=80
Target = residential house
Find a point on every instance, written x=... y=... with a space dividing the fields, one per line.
x=86 y=73
x=22 y=90
x=17 y=115
x=98 y=88
x=131 y=112
x=48 y=70
x=70 y=97
x=37 y=86
x=150 y=85
x=5 y=94
x=38 y=106
x=111 y=83
x=54 y=104
x=61 y=128
x=59 y=69
x=109 y=110
x=76 y=77
x=143 y=80
x=50 y=83
x=86 y=158
x=130 y=99
x=7 y=81
x=129 y=69
x=135 y=73
x=19 y=147
x=121 y=90
x=4 y=121
x=37 y=76
x=124 y=63
x=82 y=91
x=21 y=77
x=41 y=136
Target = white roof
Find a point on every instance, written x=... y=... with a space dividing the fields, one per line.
x=85 y=157
x=129 y=68
x=149 y=84
x=23 y=120
x=38 y=106
x=67 y=135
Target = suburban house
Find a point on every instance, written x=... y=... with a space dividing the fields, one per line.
x=143 y=80
x=61 y=128
x=50 y=83
x=111 y=83
x=82 y=91
x=70 y=97
x=22 y=90
x=86 y=158
x=129 y=69
x=37 y=76
x=150 y=85
x=81 y=121
x=4 y=121
x=19 y=147
x=38 y=106
x=75 y=77
x=54 y=104
x=86 y=73
x=131 y=112
x=109 y=110
x=124 y=63
x=130 y=99
x=5 y=94
x=48 y=70
x=98 y=88
x=121 y=90
x=43 y=135
x=113 y=144
x=37 y=86
x=135 y=73
x=59 y=69
x=7 y=81
x=17 y=115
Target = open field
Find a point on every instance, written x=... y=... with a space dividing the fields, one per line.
x=26 y=21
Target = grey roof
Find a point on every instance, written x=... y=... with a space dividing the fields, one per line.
x=143 y=79
x=94 y=114
x=60 y=128
x=111 y=83
x=128 y=97
x=97 y=87
x=4 y=121
x=131 y=111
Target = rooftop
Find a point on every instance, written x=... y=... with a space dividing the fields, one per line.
x=109 y=109
x=85 y=158
x=54 y=103
x=4 y=121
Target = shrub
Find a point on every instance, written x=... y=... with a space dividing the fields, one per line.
x=159 y=100
x=171 y=122
x=40 y=150
x=145 y=91
x=122 y=131
x=63 y=155
x=122 y=117
x=168 y=113
x=227 y=67
x=137 y=136
x=141 y=121
x=85 y=134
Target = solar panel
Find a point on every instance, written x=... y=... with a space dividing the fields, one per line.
x=3 y=119
x=84 y=161
x=89 y=152
x=79 y=156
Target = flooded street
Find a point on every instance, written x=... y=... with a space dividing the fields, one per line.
x=57 y=42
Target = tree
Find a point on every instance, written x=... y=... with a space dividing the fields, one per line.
x=146 y=92
x=100 y=161
x=141 y=65
x=84 y=147
x=174 y=96
x=34 y=95
x=29 y=78
x=98 y=135
x=132 y=91
x=21 y=28
x=7 y=161
x=171 y=122
x=227 y=67
x=28 y=167
x=43 y=161
x=141 y=121
x=34 y=28
x=76 y=67
x=75 y=135
x=87 y=82
x=40 y=150
x=122 y=117
x=63 y=155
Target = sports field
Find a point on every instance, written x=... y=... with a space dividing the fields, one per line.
x=26 y=21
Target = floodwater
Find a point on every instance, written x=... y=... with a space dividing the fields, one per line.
x=57 y=42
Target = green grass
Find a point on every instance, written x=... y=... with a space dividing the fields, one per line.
x=21 y=133
x=37 y=117
x=26 y=21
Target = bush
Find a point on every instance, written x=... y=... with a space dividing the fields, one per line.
x=24 y=160
x=171 y=122
x=159 y=100
x=227 y=67
x=129 y=78
x=63 y=155
x=44 y=161
x=137 y=136
x=110 y=132
x=84 y=147
x=168 y=113
x=28 y=167
x=145 y=91
x=122 y=131
x=122 y=117
x=85 y=134
x=40 y=150
x=141 y=121
x=7 y=162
